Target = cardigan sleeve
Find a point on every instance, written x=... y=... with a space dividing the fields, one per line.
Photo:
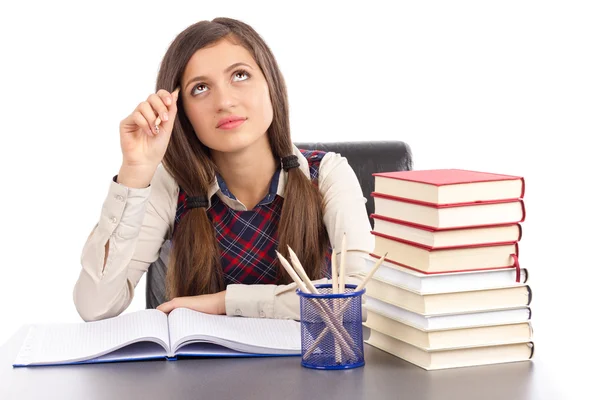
x=345 y=211
x=136 y=223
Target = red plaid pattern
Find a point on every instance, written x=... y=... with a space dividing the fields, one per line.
x=248 y=239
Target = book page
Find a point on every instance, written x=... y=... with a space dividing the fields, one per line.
x=73 y=342
x=135 y=351
x=256 y=335
x=209 y=350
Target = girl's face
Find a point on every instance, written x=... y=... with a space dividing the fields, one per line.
x=222 y=81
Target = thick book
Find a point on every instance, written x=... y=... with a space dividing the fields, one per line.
x=448 y=186
x=445 y=282
x=455 y=259
x=445 y=338
x=446 y=237
x=450 y=303
x=451 y=357
x=448 y=321
x=151 y=334
x=455 y=215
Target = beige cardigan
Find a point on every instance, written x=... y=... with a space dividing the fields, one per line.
x=138 y=221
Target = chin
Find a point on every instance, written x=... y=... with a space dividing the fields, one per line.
x=233 y=142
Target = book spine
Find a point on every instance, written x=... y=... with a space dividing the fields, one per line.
x=454 y=228
x=532 y=348
x=441 y=248
x=440 y=272
x=517 y=266
x=444 y=205
x=522 y=208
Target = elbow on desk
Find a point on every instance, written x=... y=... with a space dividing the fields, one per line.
x=87 y=311
x=87 y=315
x=91 y=308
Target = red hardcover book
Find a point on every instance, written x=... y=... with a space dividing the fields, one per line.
x=456 y=259
x=439 y=238
x=450 y=259
x=449 y=186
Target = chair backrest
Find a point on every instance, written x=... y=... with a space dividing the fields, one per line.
x=365 y=158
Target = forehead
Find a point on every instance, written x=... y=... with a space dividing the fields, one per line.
x=212 y=60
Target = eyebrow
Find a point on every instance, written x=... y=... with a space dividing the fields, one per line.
x=202 y=77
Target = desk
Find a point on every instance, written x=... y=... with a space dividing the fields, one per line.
x=283 y=378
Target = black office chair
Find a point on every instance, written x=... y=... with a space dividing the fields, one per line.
x=365 y=158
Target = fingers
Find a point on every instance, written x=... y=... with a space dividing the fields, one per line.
x=158 y=108
x=170 y=101
x=164 y=307
x=148 y=113
x=173 y=108
x=154 y=110
x=140 y=121
x=158 y=102
x=168 y=306
x=165 y=97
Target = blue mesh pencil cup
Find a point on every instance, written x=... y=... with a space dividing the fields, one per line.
x=331 y=328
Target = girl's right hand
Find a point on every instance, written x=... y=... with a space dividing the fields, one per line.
x=141 y=145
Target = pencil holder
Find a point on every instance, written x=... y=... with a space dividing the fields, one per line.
x=331 y=328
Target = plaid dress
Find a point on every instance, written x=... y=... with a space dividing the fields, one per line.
x=248 y=239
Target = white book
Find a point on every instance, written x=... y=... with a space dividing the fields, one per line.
x=445 y=282
x=151 y=334
x=448 y=321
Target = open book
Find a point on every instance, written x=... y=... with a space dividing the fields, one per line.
x=151 y=334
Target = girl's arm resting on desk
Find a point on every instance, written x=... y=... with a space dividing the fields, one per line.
x=281 y=301
x=345 y=212
x=133 y=224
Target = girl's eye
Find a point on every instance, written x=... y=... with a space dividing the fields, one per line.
x=194 y=91
x=241 y=72
x=235 y=74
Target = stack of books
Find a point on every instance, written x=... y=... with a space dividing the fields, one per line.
x=451 y=292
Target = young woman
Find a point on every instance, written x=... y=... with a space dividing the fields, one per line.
x=219 y=177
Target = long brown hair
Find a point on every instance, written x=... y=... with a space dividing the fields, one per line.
x=194 y=264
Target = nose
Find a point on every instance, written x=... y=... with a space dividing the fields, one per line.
x=225 y=97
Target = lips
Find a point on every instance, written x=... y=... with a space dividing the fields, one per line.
x=232 y=118
x=232 y=125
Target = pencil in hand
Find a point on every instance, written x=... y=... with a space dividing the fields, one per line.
x=158 y=121
x=156 y=125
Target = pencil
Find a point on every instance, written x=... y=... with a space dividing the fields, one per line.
x=335 y=289
x=342 y=281
x=331 y=324
x=364 y=282
x=158 y=121
x=291 y=272
x=298 y=266
x=334 y=273
x=300 y=270
x=360 y=287
x=156 y=124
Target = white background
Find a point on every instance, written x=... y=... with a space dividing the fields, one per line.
x=509 y=87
